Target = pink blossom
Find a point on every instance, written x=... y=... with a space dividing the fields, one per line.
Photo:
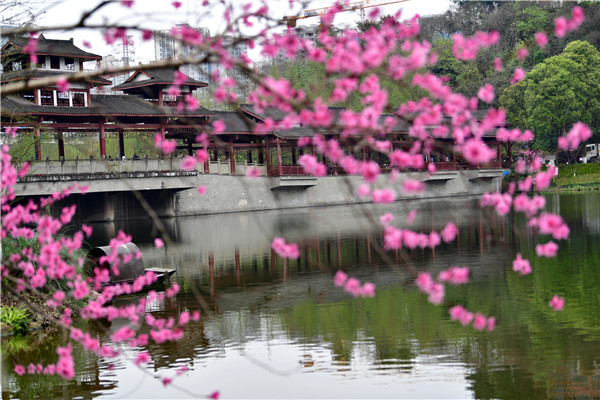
x=367 y=290
x=518 y=75
x=188 y=163
x=465 y=318
x=557 y=303
x=340 y=278
x=19 y=370
x=63 y=85
x=486 y=93
x=201 y=190
x=411 y=216
x=543 y=179
x=392 y=238
x=201 y=156
x=560 y=27
x=352 y=286
x=285 y=250
x=214 y=395
x=370 y=171
x=522 y=53
x=166 y=381
x=456 y=312
x=413 y=186
x=218 y=126
x=166 y=146
x=386 y=218
x=384 y=196
x=491 y=324
x=546 y=250
x=476 y=152
x=142 y=358
x=449 y=232
x=541 y=39
x=455 y=275
x=479 y=322
x=521 y=265
x=579 y=133
x=252 y=172
x=577 y=18
x=158 y=243
x=176 y=4
x=498 y=64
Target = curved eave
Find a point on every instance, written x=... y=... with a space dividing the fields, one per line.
x=88 y=58
x=22 y=78
x=253 y=115
x=153 y=83
x=101 y=114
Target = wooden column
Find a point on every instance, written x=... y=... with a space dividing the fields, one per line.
x=61 y=146
x=102 y=140
x=294 y=155
x=160 y=97
x=121 y=145
x=207 y=162
x=38 y=143
x=261 y=155
x=231 y=158
x=279 y=159
x=190 y=148
x=162 y=128
x=250 y=161
x=268 y=153
x=499 y=152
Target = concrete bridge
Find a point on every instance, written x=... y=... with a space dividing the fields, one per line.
x=117 y=187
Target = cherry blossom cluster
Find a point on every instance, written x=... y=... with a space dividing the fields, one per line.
x=353 y=286
x=285 y=250
x=465 y=317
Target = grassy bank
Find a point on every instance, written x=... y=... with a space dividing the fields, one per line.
x=576 y=177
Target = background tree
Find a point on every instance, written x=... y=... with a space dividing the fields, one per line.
x=558 y=92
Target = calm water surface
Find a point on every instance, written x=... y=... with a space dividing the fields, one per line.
x=271 y=330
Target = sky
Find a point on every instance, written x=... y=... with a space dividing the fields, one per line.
x=160 y=14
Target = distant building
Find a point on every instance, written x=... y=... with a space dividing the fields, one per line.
x=166 y=47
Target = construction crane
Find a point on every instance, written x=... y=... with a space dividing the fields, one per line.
x=291 y=20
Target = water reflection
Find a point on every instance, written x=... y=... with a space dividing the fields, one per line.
x=271 y=330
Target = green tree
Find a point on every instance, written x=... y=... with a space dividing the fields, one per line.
x=557 y=93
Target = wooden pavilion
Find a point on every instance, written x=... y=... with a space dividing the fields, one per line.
x=146 y=107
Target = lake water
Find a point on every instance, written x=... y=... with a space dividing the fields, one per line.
x=270 y=330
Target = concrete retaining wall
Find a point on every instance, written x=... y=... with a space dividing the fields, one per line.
x=234 y=193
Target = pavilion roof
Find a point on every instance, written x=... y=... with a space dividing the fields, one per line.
x=155 y=77
x=52 y=47
x=270 y=112
x=235 y=121
x=38 y=73
x=102 y=105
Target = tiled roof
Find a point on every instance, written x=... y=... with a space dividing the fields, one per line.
x=54 y=47
x=275 y=113
x=102 y=105
x=295 y=133
x=164 y=76
x=38 y=73
x=234 y=121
